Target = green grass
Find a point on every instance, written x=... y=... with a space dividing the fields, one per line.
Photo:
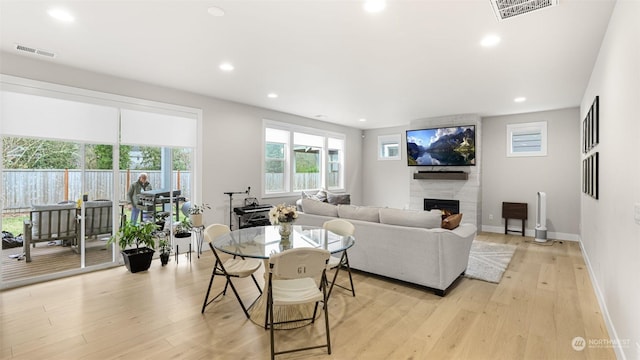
x=13 y=223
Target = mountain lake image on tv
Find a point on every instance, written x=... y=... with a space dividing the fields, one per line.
x=445 y=146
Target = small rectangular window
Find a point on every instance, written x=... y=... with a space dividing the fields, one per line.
x=389 y=147
x=527 y=139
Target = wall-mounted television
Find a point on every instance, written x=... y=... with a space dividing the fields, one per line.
x=443 y=146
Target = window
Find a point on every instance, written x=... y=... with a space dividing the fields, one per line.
x=275 y=161
x=297 y=158
x=527 y=139
x=389 y=147
x=335 y=160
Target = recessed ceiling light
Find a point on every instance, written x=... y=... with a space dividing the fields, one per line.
x=226 y=67
x=374 y=6
x=215 y=11
x=362 y=120
x=490 y=40
x=520 y=99
x=61 y=15
x=272 y=95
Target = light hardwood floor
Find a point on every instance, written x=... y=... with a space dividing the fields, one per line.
x=544 y=300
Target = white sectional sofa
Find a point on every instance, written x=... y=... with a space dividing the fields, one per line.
x=400 y=244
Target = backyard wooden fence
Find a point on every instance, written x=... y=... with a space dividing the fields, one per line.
x=23 y=188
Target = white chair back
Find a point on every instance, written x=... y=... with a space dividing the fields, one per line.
x=340 y=227
x=212 y=231
x=299 y=263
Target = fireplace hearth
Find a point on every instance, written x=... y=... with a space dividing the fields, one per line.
x=442 y=204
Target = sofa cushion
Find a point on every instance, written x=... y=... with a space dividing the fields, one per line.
x=411 y=218
x=452 y=221
x=316 y=207
x=359 y=213
x=338 y=199
x=321 y=195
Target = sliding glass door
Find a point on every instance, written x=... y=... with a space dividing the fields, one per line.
x=69 y=156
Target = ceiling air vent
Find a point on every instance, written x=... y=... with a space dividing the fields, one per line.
x=35 y=51
x=506 y=9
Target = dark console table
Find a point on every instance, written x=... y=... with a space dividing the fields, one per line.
x=511 y=210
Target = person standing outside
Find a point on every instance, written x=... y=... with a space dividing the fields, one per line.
x=134 y=190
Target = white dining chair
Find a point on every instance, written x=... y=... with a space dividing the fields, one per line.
x=231 y=268
x=292 y=281
x=344 y=228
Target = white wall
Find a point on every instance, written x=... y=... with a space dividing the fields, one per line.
x=518 y=179
x=385 y=181
x=610 y=237
x=232 y=132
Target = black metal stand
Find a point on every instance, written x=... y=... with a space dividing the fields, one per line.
x=178 y=253
x=198 y=231
x=231 y=204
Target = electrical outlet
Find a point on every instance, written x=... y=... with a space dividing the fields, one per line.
x=490 y=216
x=637 y=213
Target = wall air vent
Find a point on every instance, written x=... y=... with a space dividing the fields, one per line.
x=506 y=9
x=35 y=51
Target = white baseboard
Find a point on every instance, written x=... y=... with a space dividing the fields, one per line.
x=603 y=305
x=532 y=233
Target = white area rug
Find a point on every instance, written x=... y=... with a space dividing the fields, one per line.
x=488 y=261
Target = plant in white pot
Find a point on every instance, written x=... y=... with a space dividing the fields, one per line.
x=195 y=214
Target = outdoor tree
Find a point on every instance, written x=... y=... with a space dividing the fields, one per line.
x=152 y=158
x=104 y=157
x=26 y=153
x=275 y=158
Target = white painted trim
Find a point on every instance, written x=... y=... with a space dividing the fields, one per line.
x=532 y=233
x=603 y=304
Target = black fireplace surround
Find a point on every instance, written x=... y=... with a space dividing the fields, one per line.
x=452 y=205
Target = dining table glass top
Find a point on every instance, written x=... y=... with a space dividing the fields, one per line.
x=263 y=241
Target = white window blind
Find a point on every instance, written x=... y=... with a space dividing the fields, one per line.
x=154 y=129
x=53 y=118
x=527 y=139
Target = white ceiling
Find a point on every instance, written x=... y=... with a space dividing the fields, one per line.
x=416 y=59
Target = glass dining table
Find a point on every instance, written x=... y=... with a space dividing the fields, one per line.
x=262 y=242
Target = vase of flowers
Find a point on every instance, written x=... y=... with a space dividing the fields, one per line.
x=283 y=215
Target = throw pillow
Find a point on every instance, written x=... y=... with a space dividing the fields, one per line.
x=338 y=199
x=452 y=221
x=316 y=207
x=411 y=218
x=321 y=195
x=363 y=213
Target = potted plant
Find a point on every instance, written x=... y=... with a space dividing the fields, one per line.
x=139 y=258
x=161 y=218
x=195 y=214
x=165 y=250
x=183 y=228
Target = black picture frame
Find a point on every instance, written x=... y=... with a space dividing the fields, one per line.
x=596 y=179
x=591 y=126
x=595 y=120
x=591 y=175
